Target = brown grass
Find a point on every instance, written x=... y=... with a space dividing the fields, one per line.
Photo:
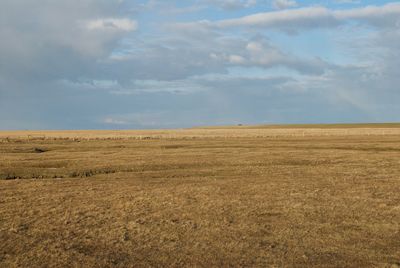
x=207 y=197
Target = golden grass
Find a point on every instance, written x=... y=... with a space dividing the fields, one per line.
x=208 y=198
x=213 y=132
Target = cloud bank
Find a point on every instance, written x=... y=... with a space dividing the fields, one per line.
x=120 y=64
x=314 y=17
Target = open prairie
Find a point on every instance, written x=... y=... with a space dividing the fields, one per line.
x=300 y=196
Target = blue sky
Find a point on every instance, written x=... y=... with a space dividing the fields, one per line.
x=120 y=64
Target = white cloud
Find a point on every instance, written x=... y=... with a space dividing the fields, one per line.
x=264 y=54
x=112 y=24
x=232 y=4
x=52 y=40
x=314 y=17
x=294 y=17
x=156 y=86
x=236 y=59
x=114 y=121
x=369 y=12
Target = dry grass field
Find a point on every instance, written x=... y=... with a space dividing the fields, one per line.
x=218 y=197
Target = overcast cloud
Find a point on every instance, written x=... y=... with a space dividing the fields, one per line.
x=162 y=64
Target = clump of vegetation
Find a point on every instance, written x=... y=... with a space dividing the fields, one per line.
x=39 y=150
x=9 y=176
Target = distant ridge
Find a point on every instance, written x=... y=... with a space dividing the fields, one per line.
x=324 y=126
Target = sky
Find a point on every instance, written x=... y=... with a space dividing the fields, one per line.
x=148 y=64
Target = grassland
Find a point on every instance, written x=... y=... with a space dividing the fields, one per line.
x=219 y=197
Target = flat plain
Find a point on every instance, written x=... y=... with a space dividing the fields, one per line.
x=300 y=196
